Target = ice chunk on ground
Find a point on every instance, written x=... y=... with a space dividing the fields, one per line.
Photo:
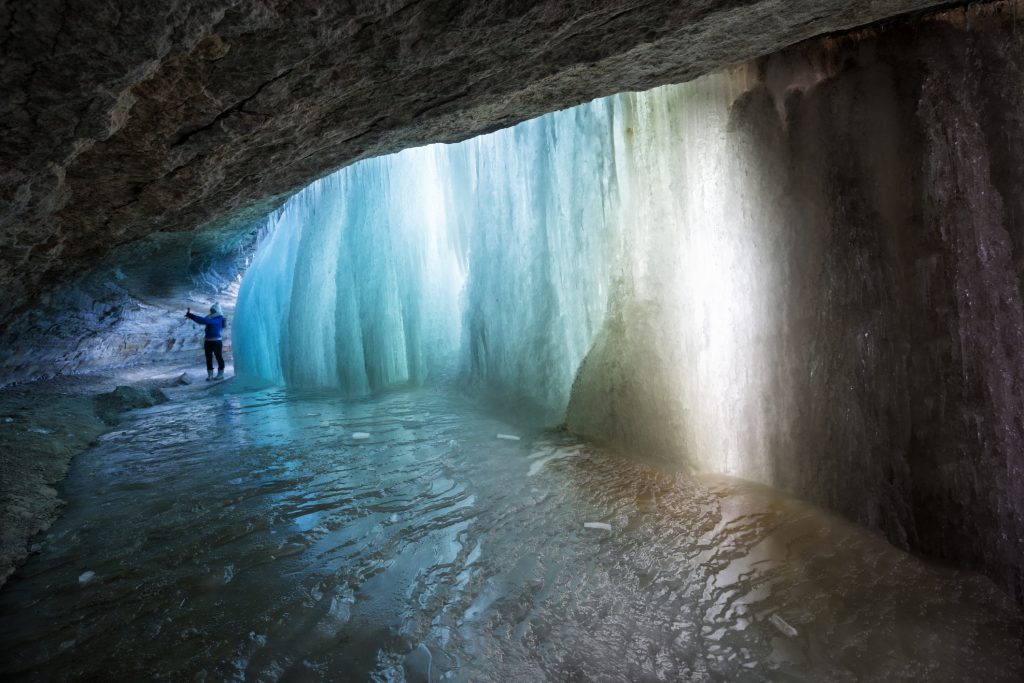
x=536 y=466
x=597 y=525
x=417 y=665
x=509 y=437
x=784 y=628
x=360 y=435
x=86 y=577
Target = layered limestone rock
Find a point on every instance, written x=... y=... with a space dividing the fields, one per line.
x=120 y=120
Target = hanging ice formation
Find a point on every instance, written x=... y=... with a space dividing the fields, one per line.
x=485 y=259
x=506 y=259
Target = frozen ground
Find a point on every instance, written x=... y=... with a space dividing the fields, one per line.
x=263 y=534
x=43 y=425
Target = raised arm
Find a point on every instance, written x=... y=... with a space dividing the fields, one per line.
x=198 y=318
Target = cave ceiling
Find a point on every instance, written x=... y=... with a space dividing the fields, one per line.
x=124 y=119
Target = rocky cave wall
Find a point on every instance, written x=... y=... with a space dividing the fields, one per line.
x=860 y=334
x=128 y=308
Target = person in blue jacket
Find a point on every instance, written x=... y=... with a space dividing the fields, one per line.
x=213 y=345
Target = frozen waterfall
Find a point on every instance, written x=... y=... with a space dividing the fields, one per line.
x=487 y=260
x=616 y=247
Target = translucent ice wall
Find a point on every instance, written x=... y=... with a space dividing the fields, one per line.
x=535 y=208
x=487 y=260
x=357 y=286
x=683 y=366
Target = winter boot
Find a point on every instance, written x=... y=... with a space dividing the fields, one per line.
x=220 y=374
x=209 y=375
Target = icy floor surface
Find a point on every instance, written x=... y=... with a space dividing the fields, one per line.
x=264 y=535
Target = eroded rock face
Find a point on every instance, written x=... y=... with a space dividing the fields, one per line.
x=119 y=120
x=129 y=308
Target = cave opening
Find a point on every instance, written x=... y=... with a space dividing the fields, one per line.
x=714 y=381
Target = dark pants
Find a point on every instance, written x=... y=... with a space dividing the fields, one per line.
x=214 y=348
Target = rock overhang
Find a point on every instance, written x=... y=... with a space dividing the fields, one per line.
x=123 y=121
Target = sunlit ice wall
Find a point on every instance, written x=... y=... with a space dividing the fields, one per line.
x=634 y=231
x=683 y=367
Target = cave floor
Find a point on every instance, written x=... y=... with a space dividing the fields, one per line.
x=261 y=534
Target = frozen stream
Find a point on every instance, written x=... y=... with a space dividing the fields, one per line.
x=249 y=534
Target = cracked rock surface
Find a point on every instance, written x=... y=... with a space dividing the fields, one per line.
x=123 y=119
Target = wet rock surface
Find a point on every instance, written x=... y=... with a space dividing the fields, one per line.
x=43 y=425
x=120 y=120
x=125 y=398
x=41 y=429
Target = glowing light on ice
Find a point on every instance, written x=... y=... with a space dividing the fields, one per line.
x=619 y=254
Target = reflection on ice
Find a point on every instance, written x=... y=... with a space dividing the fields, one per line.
x=250 y=536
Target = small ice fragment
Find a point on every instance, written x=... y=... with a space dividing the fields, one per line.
x=40 y=430
x=417 y=664
x=784 y=628
x=8 y=419
x=508 y=437
x=536 y=467
x=86 y=577
x=716 y=636
x=597 y=525
x=360 y=435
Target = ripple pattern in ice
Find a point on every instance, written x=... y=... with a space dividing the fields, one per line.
x=252 y=536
